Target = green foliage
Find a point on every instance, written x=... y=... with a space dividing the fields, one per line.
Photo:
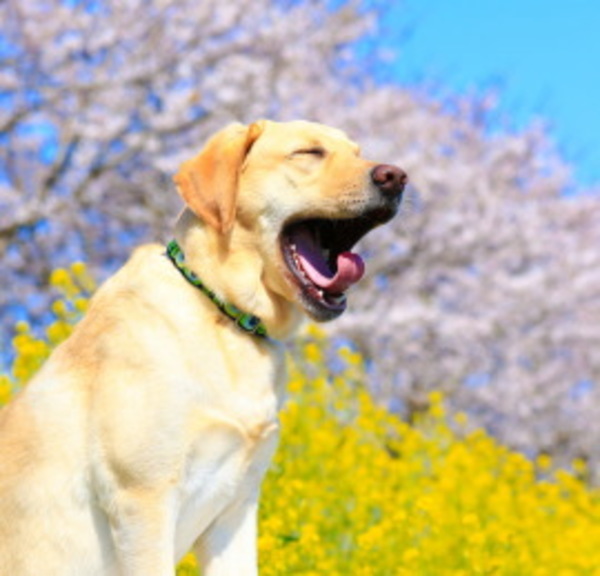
x=354 y=490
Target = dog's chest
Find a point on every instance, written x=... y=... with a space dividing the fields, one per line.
x=232 y=432
x=225 y=464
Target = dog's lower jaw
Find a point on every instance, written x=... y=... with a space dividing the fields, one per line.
x=287 y=318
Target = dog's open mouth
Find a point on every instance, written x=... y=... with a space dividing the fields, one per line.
x=318 y=252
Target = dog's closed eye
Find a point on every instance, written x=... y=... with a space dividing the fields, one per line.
x=316 y=151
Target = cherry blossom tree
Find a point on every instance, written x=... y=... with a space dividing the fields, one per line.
x=489 y=291
x=101 y=101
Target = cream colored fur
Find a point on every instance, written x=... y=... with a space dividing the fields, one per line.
x=149 y=430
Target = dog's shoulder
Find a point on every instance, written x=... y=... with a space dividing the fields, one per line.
x=146 y=279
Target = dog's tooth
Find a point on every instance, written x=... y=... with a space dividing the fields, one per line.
x=299 y=267
x=339 y=299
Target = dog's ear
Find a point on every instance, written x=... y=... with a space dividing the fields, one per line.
x=208 y=183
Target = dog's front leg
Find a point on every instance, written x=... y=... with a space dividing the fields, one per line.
x=228 y=547
x=142 y=528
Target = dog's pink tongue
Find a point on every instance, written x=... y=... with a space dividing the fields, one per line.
x=350 y=266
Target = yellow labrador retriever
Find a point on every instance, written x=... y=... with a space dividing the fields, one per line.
x=149 y=430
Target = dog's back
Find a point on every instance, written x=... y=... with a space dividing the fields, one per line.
x=51 y=517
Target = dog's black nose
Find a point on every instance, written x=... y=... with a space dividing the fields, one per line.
x=389 y=179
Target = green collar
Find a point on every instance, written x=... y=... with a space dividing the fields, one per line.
x=247 y=322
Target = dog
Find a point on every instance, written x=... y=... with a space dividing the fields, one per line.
x=148 y=431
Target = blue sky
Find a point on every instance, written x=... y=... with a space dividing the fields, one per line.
x=545 y=56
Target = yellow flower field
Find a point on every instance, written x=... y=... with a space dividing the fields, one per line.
x=354 y=490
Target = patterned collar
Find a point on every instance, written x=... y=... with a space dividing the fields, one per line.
x=246 y=322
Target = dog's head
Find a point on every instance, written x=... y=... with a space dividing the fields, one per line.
x=303 y=197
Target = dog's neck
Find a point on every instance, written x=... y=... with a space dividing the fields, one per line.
x=229 y=266
x=245 y=321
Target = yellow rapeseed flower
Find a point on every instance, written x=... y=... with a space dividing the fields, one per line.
x=5 y=389
x=355 y=491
